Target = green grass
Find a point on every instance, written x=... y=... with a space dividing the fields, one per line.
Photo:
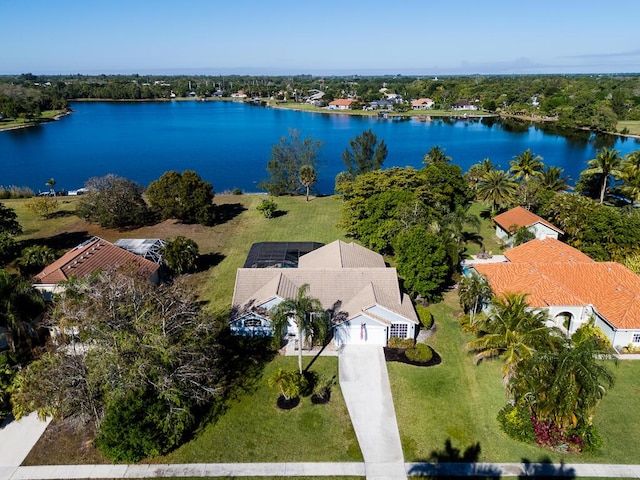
x=253 y=429
x=305 y=107
x=632 y=125
x=458 y=401
x=9 y=123
x=487 y=231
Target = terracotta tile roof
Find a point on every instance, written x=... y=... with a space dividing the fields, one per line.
x=421 y=101
x=344 y=277
x=521 y=217
x=90 y=256
x=610 y=287
x=547 y=250
x=342 y=102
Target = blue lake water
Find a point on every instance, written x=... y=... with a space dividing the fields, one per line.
x=229 y=143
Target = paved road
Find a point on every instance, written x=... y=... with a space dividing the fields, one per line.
x=365 y=386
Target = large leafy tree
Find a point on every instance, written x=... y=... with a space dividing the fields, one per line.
x=9 y=227
x=184 y=196
x=606 y=164
x=113 y=202
x=308 y=314
x=287 y=157
x=146 y=340
x=496 y=187
x=364 y=153
x=20 y=305
x=510 y=330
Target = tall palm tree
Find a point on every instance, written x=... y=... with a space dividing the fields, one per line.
x=526 y=165
x=20 y=304
x=496 y=187
x=512 y=331
x=629 y=174
x=310 y=318
x=606 y=163
x=51 y=183
x=308 y=176
x=552 y=179
x=436 y=155
x=474 y=291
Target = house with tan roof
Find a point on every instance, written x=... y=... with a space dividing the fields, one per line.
x=571 y=287
x=341 y=104
x=93 y=255
x=422 y=104
x=508 y=223
x=361 y=294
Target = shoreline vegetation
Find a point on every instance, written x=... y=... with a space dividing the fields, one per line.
x=633 y=127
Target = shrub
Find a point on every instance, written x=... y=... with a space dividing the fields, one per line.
x=236 y=191
x=268 y=207
x=420 y=353
x=289 y=382
x=42 y=206
x=35 y=258
x=426 y=317
x=516 y=422
x=396 y=342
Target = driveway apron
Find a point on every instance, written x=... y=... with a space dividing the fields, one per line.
x=365 y=386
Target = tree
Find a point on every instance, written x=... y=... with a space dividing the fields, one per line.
x=268 y=207
x=308 y=176
x=287 y=157
x=552 y=179
x=184 y=196
x=35 y=258
x=307 y=312
x=496 y=187
x=606 y=163
x=20 y=305
x=474 y=292
x=9 y=227
x=522 y=235
x=42 y=206
x=51 y=183
x=289 y=382
x=526 y=166
x=436 y=155
x=364 y=154
x=510 y=330
x=113 y=202
x=629 y=174
x=423 y=262
x=180 y=255
x=146 y=340
x=476 y=172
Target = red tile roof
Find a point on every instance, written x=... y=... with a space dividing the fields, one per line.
x=342 y=102
x=521 y=217
x=90 y=256
x=547 y=250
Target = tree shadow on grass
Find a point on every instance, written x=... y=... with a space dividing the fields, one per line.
x=451 y=462
x=208 y=260
x=228 y=211
x=545 y=469
x=62 y=241
x=279 y=213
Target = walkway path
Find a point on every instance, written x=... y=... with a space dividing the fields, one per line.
x=17 y=438
x=365 y=386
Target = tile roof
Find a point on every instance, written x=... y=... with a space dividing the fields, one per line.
x=610 y=287
x=342 y=101
x=521 y=217
x=90 y=256
x=344 y=277
x=546 y=250
x=421 y=101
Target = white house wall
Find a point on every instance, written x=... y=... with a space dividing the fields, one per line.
x=541 y=231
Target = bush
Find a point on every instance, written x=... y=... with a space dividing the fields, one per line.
x=420 y=353
x=268 y=207
x=236 y=191
x=396 y=342
x=13 y=191
x=516 y=423
x=426 y=317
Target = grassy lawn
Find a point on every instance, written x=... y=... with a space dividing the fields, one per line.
x=9 y=123
x=305 y=107
x=457 y=401
x=487 y=230
x=632 y=125
x=253 y=429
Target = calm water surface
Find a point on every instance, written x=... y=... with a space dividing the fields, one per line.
x=229 y=143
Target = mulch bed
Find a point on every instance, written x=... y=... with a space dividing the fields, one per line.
x=398 y=355
x=287 y=404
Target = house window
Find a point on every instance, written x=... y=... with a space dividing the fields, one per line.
x=252 y=322
x=636 y=338
x=399 y=330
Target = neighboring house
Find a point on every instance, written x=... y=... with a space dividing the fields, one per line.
x=354 y=285
x=341 y=104
x=422 y=104
x=239 y=94
x=464 y=105
x=88 y=257
x=571 y=287
x=508 y=223
x=381 y=105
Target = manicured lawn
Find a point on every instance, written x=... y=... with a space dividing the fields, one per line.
x=487 y=230
x=458 y=401
x=632 y=125
x=8 y=123
x=254 y=429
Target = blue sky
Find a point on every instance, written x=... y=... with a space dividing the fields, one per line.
x=330 y=37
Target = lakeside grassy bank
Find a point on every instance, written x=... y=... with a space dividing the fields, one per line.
x=46 y=116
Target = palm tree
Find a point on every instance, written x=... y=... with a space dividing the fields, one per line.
x=526 y=165
x=310 y=318
x=454 y=229
x=629 y=174
x=512 y=331
x=51 y=183
x=606 y=163
x=552 y=179
x=308 y=176
x=20 y=304
x=474 y=291
x=436 y=155
x=496 y=187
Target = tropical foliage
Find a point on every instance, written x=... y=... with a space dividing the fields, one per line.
x=180 y=255
x=364 y=153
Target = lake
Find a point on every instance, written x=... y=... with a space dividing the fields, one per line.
x=229 y=143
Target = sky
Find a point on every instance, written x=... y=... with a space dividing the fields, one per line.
x=330 y=37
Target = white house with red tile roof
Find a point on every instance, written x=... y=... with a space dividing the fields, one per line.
x=353 y=284
x=422 y=104
x=341 y=104
x=571 y=287
x=509 y=222
x=88 y=257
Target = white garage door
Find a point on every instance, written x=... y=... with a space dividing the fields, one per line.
x=357 y=335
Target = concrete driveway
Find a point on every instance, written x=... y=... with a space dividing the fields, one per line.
x=365 y=386
x=17 y=438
